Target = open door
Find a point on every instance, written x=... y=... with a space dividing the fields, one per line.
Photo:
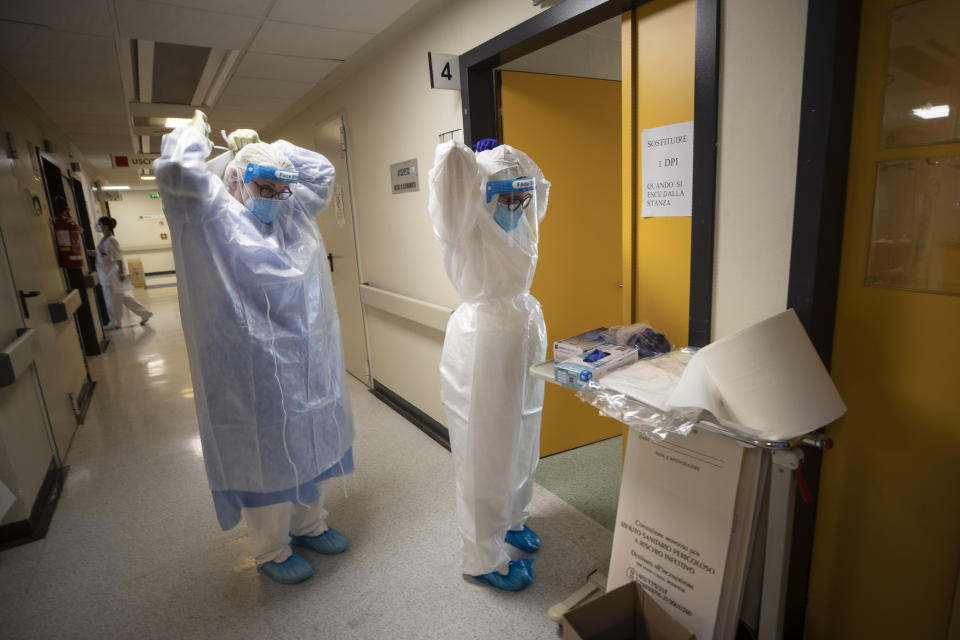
x=339 y=236
x=571 y=128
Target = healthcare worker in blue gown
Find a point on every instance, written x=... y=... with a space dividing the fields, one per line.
x=262 y=335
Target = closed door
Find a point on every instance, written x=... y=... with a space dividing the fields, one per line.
x=888 y=518
x=571 y=128
x=339 y=236
x=26 y=448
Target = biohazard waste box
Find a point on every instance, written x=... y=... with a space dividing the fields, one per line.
x=137 y=276
x=626 y=613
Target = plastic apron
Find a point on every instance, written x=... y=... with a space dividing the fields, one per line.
x=261 y=328
x=493 y=405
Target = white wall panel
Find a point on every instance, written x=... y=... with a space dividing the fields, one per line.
x=762 y=49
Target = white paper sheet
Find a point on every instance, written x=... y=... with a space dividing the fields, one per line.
x=651 y=380
x=766 y=380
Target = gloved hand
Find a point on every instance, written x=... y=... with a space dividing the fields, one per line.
x=240 y=138
x=199 y=122
x=485 y=144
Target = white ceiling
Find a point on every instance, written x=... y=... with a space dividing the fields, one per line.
x=72 y=57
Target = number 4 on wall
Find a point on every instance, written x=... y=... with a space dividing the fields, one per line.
x=444 y=71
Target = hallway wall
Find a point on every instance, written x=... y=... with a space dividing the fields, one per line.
x=30 y=243
x=140 y=224
x=392 y=115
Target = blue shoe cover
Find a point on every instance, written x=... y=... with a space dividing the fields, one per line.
x=330 y=542
x=519 y=577
x=524 y=539
x=291 y=571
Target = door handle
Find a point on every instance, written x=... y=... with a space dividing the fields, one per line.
x=23 y=300
x=330 y=260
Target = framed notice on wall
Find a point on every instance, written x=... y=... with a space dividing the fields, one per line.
x=667 y=165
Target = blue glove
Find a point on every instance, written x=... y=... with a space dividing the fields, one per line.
x=485 y=144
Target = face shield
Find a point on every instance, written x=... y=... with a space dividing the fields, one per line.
x=512 y=196
x=267 y=187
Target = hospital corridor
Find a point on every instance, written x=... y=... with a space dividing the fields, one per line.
x=135 y=552
x=450 y=319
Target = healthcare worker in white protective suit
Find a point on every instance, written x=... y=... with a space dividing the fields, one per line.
x=486 y=209
x=113 y=277
x=263 y=338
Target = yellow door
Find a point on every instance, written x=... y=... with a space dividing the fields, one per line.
x=571 y=128
x=887 y=542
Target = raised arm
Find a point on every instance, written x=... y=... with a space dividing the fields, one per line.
x=454 y=186
x=182 y=176
x=316 y=175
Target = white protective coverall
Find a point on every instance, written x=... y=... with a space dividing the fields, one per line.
x=493 y=405
x=261 y=328
x=116 y=292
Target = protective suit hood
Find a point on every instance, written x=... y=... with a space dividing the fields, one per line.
x=484 y=260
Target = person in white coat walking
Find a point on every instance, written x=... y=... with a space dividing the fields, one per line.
x=112 y=272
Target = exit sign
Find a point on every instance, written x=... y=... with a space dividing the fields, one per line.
x=155 y=195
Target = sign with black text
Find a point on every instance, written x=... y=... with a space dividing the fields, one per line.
x=403 y=177
x=444 y=71
x=667 y=167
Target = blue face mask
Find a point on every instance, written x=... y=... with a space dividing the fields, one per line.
x=508 y=220
x=265 y=209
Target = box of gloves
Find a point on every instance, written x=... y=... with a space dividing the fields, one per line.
x=626 y=613
x=572 y=347
x=590 y=365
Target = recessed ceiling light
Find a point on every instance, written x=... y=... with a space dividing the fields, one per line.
x=173 y=123
x=930 y=112
x=111 y=187
x=148 y=177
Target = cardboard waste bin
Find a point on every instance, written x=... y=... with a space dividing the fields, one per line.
x=626 y=613
x=137 y=276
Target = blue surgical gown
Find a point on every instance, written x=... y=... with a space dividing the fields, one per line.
x=261 y=328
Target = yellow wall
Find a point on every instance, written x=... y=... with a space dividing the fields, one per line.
x=887 y=542
x=571 y=128
x=664 y=81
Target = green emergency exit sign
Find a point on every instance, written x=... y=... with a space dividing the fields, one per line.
x=155 y=195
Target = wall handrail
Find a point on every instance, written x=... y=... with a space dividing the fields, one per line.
x=17 y=356
x=428 y=314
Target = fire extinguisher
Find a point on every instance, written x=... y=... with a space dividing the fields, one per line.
x=69 y=241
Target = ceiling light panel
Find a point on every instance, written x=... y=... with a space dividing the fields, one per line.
x=368 y=16
x=282 y=38
x=167 y=23
x=265 y=65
